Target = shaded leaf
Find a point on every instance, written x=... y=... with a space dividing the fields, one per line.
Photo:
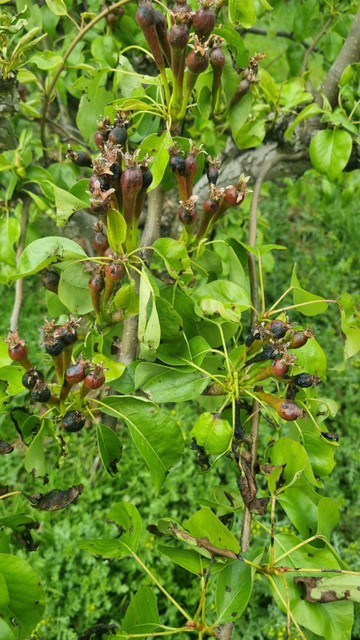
x=110 y=448
x=330 y=151
x=156 y=435
x=24 y=604
x=45 y=251
x=300 y=296
x=142 y=615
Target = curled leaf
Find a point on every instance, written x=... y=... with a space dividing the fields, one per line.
x=55 y=499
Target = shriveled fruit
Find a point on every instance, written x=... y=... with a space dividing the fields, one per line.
x=73 y=421
x=41 y=392
x=31 y=377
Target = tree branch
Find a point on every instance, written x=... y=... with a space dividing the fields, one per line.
x=349 y=53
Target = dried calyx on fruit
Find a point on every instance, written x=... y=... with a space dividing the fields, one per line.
x=277 y=329
x=80 y=158
x=298 y=339
x=100 y=200
x=17 y=350
x=94 y=379
x=40 y=392
x=114 y=272
x=181 y=8
x=249 y=77
x=204 y=19
x=210 y=210
x=31 y=377
x=187 y=212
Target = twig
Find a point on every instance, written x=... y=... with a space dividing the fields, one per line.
x=48 y=93
x=311 y=49
x=14 y=320
x=349 y=53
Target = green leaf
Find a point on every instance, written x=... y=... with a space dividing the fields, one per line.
x=330 y=151
x=127 y=299
x=328 y=517
x=242 y=13
x=12 y=375
x=311 y=358
x=149 y=332
x=66 y=205
x=212 y=433
x=113 y=369
x=187 y=559
x=300 y=296
x=58 y=7
x=293 y=93
x=251 y=134
x=45 y=251
x=169 y=385
x=171 y=324
x=105 y=548
x=110 y=448
x=235 y=42
x=24 y=605
x=35 y=462
x=266 y=5
x=308 y=112
x=175 y=256
x=205 y=524
x=157 y=148
x=92 y=104
x=127 y=518
x=331 y=589
x=221 y=299
x=142 y=615
x=239 y=114
x=156 y=435
x=352 y=336
x=45 y=60
x=291 y=455
x=74 y=290
x=332 y=621
x=116 y=230
x=233 y=591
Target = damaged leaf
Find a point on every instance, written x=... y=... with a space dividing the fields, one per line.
x=332 y=589
x=55 y=499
